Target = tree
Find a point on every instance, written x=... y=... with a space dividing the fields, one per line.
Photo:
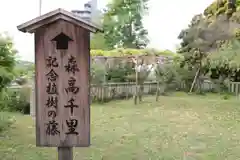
x=207 y=33
x=123 y=25
x=98 y=42
x=7 y=60
x=231 y=5
x=23 y=71
x=191 y=36
x=224 y=63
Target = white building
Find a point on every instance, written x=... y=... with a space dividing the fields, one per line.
x=90 y=12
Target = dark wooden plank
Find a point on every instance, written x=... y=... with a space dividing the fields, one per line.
x=79 y=49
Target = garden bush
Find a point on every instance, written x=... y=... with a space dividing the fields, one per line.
x=172 y=77
x=120 y=73
x=15 y=100
x=5 y=121
x=121 y=70
x=185 y=77
x=167 y=75
x=98 y=73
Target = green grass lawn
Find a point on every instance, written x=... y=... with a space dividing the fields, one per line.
x=178 y=127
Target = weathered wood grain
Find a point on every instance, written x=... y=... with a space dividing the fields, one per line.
x=78 y=48
x=32 y=25
x=65 y=153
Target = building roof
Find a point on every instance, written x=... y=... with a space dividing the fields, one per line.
x=81 y=11
x=87 y=4
x=55 y=15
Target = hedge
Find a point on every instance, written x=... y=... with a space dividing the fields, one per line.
x=131 y=52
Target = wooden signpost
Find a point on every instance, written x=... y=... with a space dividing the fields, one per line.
x=62 y=62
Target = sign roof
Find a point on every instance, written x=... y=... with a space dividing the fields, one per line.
x=50 y=17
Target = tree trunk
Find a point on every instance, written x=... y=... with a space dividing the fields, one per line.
x=141 y=90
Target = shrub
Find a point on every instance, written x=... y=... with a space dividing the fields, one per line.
x=131 y=52
x=120 y=73
x=5 y=121
x=97 y=73
x=15 y=100
x=173 y=77
x=167 y=75
x=122 y=70
x=185 y=77
x=114 y=71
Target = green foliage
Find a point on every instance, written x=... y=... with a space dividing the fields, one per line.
x=123 y=72
x=15 y=100
x=131 y=52
x=167 y=76
x=221 y=7
x=221 y=10
x=194 y=37
x=165 y=73
x=226 y=96
x=119 y=71
x=98 y=73
x=7 y=60
x=211 y=27
x=172 y=76
x=123 y=25
x=185 y=76
x=23 y=72
x=207 y=34
x=5 y=121
x=143 y=74
x=24 y=69
x=210 y=10
x=98 y=42
x=225 y=62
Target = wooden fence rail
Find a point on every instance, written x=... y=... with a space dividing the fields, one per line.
x=127 y=90
x=105 y=92
x=110 y=91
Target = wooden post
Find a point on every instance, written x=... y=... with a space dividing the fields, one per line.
x=65 y=153
x=32 y=100
x=104 y=81
x=194 y=80
x=158 y=90
x=136 y=79
x=62 y=80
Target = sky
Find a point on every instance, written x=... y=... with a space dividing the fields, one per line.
x=164 y=21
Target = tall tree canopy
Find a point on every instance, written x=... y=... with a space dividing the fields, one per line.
x=97 y=40
x=219 y=28
x=123 y=24
x=7 y=60
x=218 y=24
